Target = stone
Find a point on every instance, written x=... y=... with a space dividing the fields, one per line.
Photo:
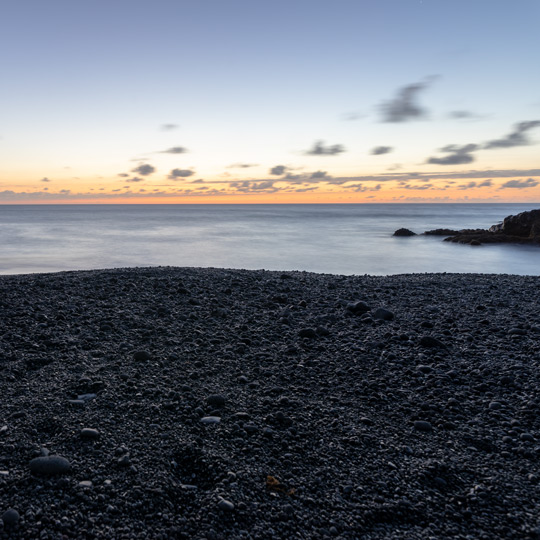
x=50 y=465
x=383 y=314
x=307 y=333
x=225 y=505
x=423 y=425
x=141 y=356
x=404 y=232
x=10 y=517
x=216 y=400
x=210 y=420
x=358 y=308
x=89 y=433
x=431 y=342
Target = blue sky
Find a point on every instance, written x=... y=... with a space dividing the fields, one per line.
x=93 y=90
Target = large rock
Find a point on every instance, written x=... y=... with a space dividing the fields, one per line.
x=524 y=225
x=404 y=232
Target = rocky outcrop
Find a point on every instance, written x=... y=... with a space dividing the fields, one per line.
x=522 y=228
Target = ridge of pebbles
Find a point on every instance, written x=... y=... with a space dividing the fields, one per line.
x=221 y=404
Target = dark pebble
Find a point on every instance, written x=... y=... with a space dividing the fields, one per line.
x=10 y=517
x=216 y=400
x=50 y=465
x=422 y=425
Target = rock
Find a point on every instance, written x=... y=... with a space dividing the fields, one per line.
x=524 y=225
x=422 y=425
x=307 y=333
x=225 y=505
x=89 y=433
x=216 y=400
x=475 y=243
x=383 y=314
x=50 y=465
x=10 y=517
x=431 y=342
x=404 y=232
x=442 y=232
x=358 y=308
x=141 y=356
x=210 y=420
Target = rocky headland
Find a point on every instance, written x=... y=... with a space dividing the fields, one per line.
x=522 y=228
x=226 y=404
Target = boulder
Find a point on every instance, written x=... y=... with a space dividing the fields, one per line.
x=404 y=232
x=524 y=225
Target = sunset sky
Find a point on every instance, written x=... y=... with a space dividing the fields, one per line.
x=223 y=101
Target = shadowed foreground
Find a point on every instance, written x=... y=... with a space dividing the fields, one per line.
x=205 y=403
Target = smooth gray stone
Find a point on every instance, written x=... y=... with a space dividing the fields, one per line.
x=50 y=465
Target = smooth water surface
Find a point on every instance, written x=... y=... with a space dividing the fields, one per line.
x=333 y=238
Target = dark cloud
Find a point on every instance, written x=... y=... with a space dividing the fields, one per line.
x=379 y=150
x=360 y=188
x=144 y=170
x=45 y=180
x=175 y=150
x=518 y=137
x=134 y=179
x=123 y=175
x=486 y=183
x=242 y=165
x=520 y=184
x=458 y=155
x=168 y=127
x=199 y=181
x=319 y=149
x=180 y=173
x=319 y=175
x=404 y=106
x=278 y=170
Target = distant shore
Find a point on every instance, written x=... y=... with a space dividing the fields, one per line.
x=215 y=403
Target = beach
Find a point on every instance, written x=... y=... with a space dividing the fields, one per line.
x=211 y=403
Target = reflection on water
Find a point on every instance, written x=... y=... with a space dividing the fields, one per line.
x=339 y=239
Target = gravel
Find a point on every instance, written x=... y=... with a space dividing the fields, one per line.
x=221 y=404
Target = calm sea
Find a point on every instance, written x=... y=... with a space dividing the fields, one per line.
x=329 y=238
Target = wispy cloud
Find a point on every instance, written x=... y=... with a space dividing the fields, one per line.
x=180 y=173
x=380 y=150
x=520 y=184
x=246 y=186
x=45 y=180
x=144 y=170
x=242 y=165
x=319 y=149
x=174 y=150
x=518 y=137
x=168 y=127
x=134 y=179
x=458 y=155
x=404 y=106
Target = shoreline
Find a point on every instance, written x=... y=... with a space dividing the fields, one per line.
x=400 y=406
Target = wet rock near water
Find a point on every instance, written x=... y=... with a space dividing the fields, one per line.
x=523 y=228
x=204 y=403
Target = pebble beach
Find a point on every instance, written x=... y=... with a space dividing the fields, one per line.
x=164 y=403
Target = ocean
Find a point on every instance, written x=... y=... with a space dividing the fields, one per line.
x=349 y=239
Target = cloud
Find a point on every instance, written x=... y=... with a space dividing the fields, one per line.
x=517 y=137
x=319 y=149
x=45 y=180
x=379 y=150
x=352 y=116
x=242 y=165
x=246 y=186
x=123 y=175
x=168 y=127
x=404 y=107
x=180 y=173
x=319 y=175
x=134 y=179
x=175 y=150
x=520 y=184
x=458 y=155
x=144 y=170
x=278 y=170
x=360 y=188
x=486 y=183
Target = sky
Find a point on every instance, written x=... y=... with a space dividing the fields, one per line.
x=236 y=101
